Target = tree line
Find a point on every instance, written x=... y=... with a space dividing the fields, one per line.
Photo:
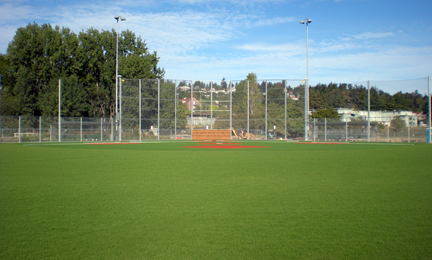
x=39 y=55
x=333 y=95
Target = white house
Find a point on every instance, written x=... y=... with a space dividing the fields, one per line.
x=383 y=117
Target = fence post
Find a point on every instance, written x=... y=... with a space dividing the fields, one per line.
x=368 y=130
x=81 y=130
x=266 y=94
x=19 y=129
x=429 y=94
x=191 y=108
x=112 y=129
x=285 y=113
x=325 y=129
x=211 y=105
x=1 y=131
x=248 y=110
x=408 y=130
x=158 y=131
x=59 y=112
x=314 y=128
x=346 y=130
x=40 y=129
x=139 y=114
x=120 y=104
x=101 y=129
x=388 y=133
x=230 y=91
x=175 y=110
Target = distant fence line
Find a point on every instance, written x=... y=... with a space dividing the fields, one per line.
x=171 y=109
x=46 y=129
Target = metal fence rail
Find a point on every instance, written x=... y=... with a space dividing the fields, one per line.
x=253 y=110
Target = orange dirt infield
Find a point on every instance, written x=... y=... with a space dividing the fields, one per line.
x=318 y=143
x=111 y=143
x=221 y=143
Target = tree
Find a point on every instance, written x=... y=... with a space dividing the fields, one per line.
x=325 y=113
x=39 y=55
x=240 y=104
x=397 y=123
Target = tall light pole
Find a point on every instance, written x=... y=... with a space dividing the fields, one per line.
x=1 y=132
x=307 y=22
x=118 y=18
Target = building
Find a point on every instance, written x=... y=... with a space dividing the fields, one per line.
x=382 y=117
x=190 y=105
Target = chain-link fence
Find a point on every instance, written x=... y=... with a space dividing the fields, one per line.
x=251 y=109
x=172 y=109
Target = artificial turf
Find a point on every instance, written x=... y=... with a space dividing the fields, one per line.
x=165 y=201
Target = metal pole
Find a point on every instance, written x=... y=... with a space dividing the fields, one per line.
x=139 y=114
x=285 y=97
x=306 y=111
x=112 y=129
x=175 y=109
x=408 y=132
x=158 y=131
x=120 y=105
x=116 y=78
x=1 y=132
x=307 y=22
x=429 y=94
x=388 y=133
x=248 y=104
x=101 y=130
x=307 y=81
x=346 y=130
x=314 y=129
x=81 y=129
x=230 y=91
x=40 y=129
x=325 y=129
x=211 y=105
x=59 y=112
x=368 y=130
x=266 y=111
x=19 y=129
x=191 y=108
x=118 y=18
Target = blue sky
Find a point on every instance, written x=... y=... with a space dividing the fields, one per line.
x=349 y=40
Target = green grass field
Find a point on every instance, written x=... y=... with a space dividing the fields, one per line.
x=163 y=201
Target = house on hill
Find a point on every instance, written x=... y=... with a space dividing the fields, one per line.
x=191 y=105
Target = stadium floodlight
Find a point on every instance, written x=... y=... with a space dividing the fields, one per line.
x=307 y=22
x=118 y=18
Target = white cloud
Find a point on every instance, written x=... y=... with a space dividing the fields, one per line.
x=273 y=21
x=371 y=35
x=292 y=48
x=207 y=42
x=242 y=2
x=12 y=12
x=394 y=63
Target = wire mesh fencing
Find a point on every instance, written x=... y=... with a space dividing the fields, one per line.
x=158 y=109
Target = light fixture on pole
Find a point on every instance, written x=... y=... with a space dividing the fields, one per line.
x=307 y=22
x=118 y=18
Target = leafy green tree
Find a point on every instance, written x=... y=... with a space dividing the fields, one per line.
x=325 y=113
x=39 y=55
x=240 y=104
x=397 y=123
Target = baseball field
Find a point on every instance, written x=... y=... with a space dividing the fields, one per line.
x=210 y=200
